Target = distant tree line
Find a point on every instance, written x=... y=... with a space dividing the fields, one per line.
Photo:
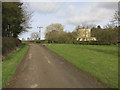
x=107 y=35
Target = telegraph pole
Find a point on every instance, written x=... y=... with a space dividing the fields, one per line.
x=40 y=30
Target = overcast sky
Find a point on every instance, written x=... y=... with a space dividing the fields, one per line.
x=69 y=14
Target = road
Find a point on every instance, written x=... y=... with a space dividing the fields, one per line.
x=41 y=68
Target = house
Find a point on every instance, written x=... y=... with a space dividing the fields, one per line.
x=85 y=35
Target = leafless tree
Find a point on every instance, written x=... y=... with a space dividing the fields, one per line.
x=116 y=18
x=35 y=36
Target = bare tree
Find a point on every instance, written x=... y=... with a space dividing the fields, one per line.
x=116 y=18
x=35 y=36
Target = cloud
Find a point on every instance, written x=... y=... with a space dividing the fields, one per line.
x=107 y=5
x=71 y=7
x=89 y=18
x=44 y=7
x=67 y=11
x=94 y=13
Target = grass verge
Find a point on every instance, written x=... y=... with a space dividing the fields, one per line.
x=100 y=61
x=10 y=64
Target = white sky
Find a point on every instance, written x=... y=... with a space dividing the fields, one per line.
x=69 y=14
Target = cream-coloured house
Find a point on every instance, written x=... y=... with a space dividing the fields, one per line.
x=85 y=35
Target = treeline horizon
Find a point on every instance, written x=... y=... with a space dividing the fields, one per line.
x=109 y=34
x=55 y=34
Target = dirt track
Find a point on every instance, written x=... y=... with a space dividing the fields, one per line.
x=41 y=68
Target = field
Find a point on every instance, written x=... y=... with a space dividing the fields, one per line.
x=10 y=64
x=100 y=61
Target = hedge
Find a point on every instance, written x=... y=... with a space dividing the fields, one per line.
x=9 y=44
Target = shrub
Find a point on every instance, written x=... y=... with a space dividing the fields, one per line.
x=9 y=44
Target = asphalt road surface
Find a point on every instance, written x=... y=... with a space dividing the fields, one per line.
x=41 y=68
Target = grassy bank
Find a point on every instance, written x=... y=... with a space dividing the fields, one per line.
x=10 y=64
x=99 y=61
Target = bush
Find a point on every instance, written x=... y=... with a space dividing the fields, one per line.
x=9 y=44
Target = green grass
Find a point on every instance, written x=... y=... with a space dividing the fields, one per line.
x=100 y=61
x=10 y=64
